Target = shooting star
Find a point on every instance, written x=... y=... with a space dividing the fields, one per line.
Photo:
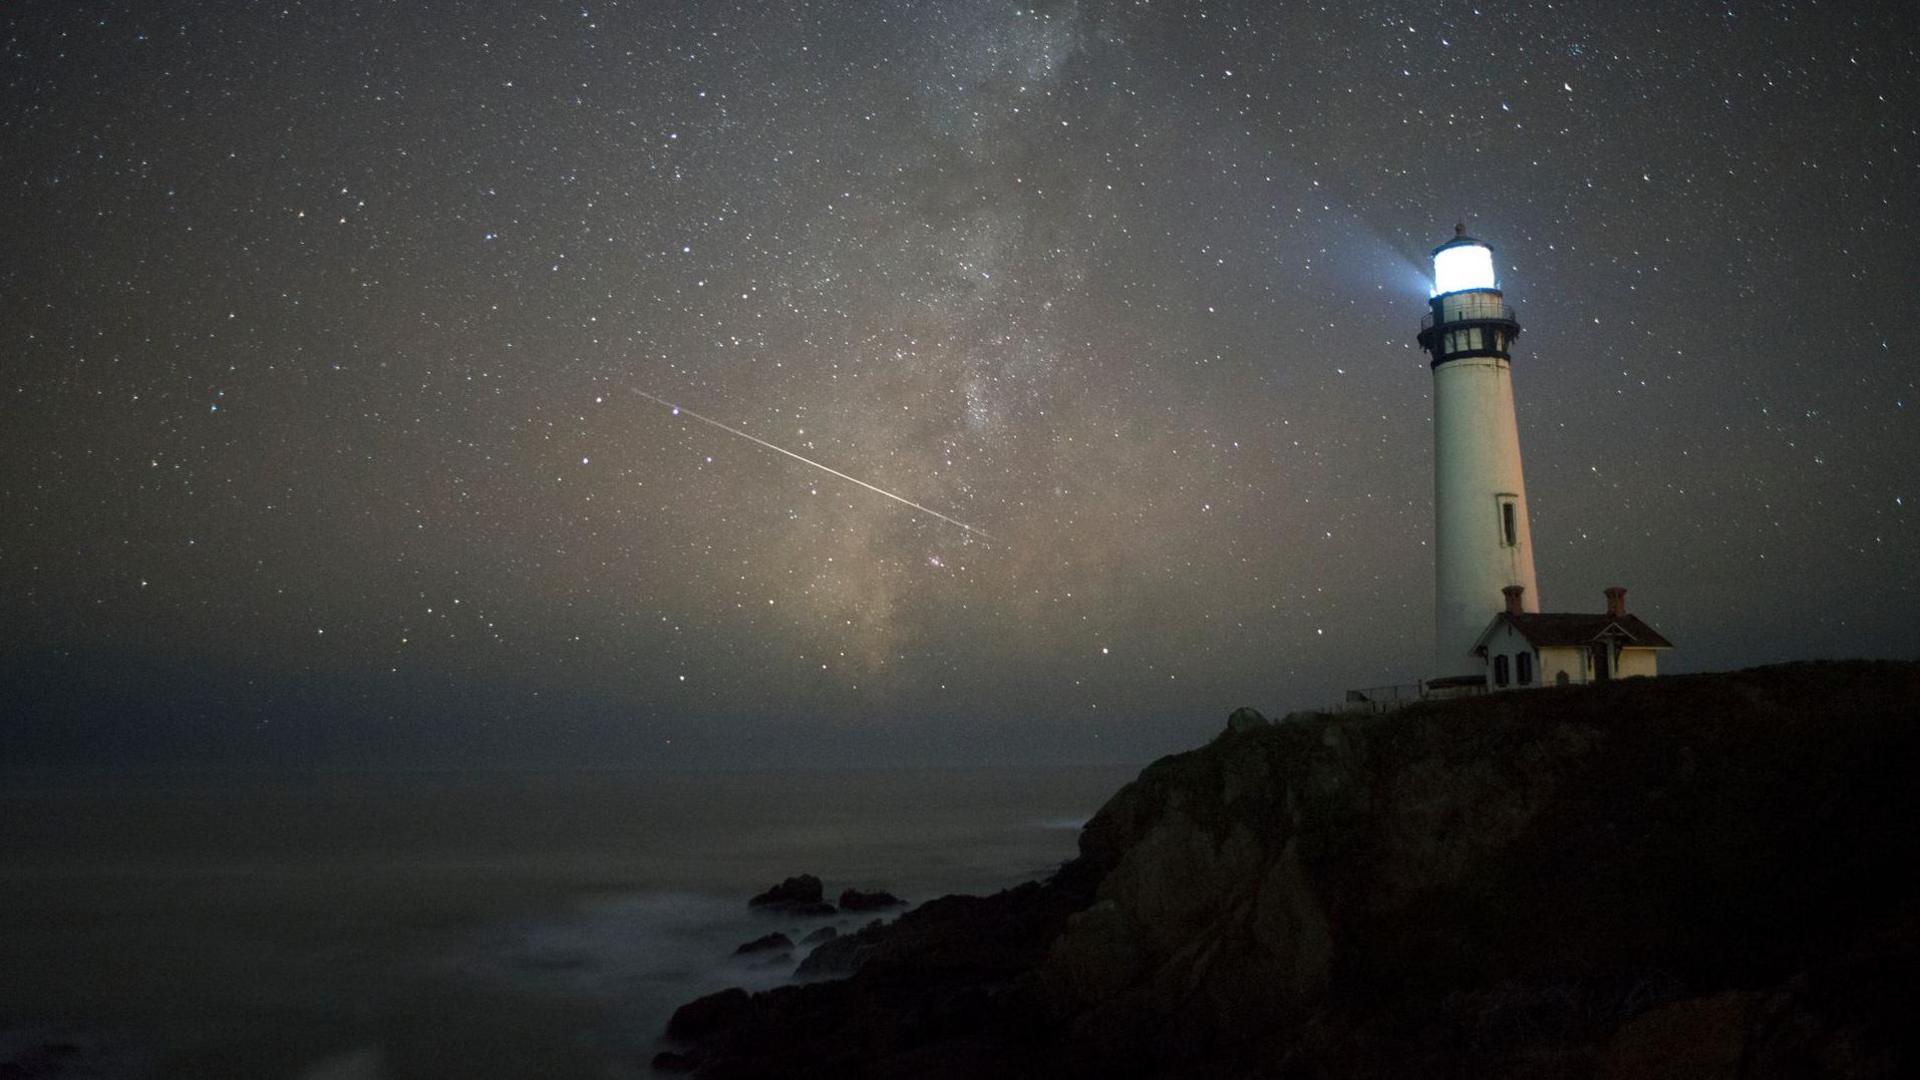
x=680 y=411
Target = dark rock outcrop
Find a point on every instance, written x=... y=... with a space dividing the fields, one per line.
x=843 y=955
x=823 y=934
x=799 y=895
x=669 y=1061
x=1702 y=876
x=697 y=1020
x=856 y=901
x=765 y=943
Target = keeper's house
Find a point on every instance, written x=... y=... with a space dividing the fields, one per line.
x=1523 y=649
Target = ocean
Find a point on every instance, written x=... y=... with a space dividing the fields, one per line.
x=477 y=924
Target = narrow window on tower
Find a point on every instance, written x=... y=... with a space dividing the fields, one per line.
x=1509 y=522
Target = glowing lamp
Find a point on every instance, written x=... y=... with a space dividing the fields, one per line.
x=1462 y=263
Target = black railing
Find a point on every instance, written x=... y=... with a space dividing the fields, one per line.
x=1379 y=699
x=1472 y=311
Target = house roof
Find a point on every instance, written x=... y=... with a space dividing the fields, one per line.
x=1578 y=628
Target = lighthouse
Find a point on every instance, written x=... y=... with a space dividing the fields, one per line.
x=1482 y=543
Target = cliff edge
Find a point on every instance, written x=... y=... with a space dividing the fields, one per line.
x=1695 y=876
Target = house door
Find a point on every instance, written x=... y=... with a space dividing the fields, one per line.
x=1602 y=669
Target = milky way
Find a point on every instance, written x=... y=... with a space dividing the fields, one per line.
x=321 y=323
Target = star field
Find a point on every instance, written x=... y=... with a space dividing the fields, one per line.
x=328 y=328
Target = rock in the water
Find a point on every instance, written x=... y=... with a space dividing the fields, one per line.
x=840 y=955
x=878 y=900
x=795 y=892
x=767 y=943
x=1246 y=719
x=825 y=933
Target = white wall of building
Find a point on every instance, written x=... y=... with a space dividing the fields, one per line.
x=1568 y=660
x=1577 y=662
x=1476 y=474
x=1507 y=642
x=1632 y=662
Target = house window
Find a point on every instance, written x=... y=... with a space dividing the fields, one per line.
x=1500 y=670
x=1523 y=668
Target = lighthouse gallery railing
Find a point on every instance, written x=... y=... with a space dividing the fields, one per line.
x=1474 y=311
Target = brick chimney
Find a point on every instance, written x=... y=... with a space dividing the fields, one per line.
x=1616 y=602
x=1513 y=593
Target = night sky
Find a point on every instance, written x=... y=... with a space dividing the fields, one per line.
x=326 y=329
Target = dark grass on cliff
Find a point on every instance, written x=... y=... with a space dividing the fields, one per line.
x=1721 y=827
x=1524 y=873
x=1684 y=836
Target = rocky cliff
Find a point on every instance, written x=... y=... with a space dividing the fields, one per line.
x=1704 y=876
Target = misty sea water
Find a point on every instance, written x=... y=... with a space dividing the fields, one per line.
x=474 y=924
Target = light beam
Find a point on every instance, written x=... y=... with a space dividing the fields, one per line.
x=680 y=410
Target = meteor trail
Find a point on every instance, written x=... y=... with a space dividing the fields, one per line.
x=679 y=410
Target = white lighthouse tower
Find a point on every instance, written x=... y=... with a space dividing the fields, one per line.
x=1482 y=543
